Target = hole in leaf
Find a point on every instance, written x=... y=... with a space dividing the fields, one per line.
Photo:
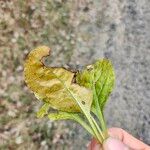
x=89 y=68
x=83 y=102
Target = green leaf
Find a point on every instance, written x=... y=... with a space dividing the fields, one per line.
x=62 y=116
x=71 y=94
x=43 y=110
x=100 y=78
x=71 y=116
x=55 y=86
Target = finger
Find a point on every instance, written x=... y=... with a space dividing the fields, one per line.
x=94 y=145
x=114 y=144
x=127 y=139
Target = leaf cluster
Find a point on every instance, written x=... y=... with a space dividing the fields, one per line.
x=80 y=96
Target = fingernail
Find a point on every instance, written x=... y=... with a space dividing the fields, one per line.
x=114 y=144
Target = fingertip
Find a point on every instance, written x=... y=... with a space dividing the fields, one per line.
x=116 y=133
x=114 y=144
x=127 y=138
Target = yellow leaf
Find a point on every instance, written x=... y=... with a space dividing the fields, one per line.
x=55 y=85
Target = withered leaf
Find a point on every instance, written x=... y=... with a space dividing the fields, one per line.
x=54 y=85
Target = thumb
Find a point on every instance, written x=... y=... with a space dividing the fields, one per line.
x=114 y=144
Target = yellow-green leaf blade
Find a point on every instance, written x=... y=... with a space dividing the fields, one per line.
x=43 y=110
x=99 y=77
x=71 y=116
x=54 y=85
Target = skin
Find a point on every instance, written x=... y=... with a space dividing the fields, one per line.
x=119 y=140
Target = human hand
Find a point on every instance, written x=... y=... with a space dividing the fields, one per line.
x=119 y=140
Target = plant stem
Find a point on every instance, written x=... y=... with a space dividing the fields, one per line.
x=84 y=124
x=99 y=112
x=99 y=130
x=90 y=120
x=103 y=123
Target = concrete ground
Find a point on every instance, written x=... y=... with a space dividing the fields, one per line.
x=78 y=32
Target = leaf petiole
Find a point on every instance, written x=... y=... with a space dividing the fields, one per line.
x=99 y=114
x=94 y=127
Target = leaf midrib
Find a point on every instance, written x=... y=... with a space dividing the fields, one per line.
x=71 y=94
